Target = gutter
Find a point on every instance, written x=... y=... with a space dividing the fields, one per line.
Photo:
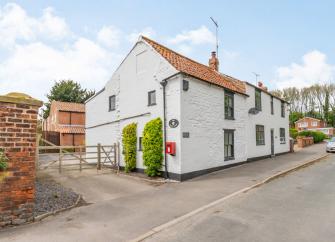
x=164 y=84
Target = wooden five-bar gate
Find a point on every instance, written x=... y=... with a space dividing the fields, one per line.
x=78 y=157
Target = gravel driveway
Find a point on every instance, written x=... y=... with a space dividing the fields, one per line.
x=51 y=196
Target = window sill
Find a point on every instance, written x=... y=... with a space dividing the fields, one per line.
x=282 y=143
x=229 y=118
x=229 y=158
x=111 y=110
x=153 y=104
x=260 y=144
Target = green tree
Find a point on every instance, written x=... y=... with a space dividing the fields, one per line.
x=129 y=141
x=153 y=147
x=66 y=91
x=294 y=116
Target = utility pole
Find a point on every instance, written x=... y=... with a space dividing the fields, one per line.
x=216 y=34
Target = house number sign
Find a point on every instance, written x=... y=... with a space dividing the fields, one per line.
x=173 y=123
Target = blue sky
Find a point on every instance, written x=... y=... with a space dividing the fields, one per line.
x=289 y=43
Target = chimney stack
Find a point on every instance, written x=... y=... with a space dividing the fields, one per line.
x=214 y=62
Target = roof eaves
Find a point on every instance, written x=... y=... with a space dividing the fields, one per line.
x=267 y=92
x=212 y=83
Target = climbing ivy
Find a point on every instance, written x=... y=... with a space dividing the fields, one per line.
x=3 y=161
x=129 y=141
x=153 y=147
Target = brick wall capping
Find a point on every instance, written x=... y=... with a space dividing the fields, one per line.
x=21 y=98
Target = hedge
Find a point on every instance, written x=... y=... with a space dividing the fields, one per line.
x=129 y=142
x=293 y=133
x=153 y=147
x=317 y=135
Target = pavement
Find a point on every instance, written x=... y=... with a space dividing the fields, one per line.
x=297 y=207
x=124 y=208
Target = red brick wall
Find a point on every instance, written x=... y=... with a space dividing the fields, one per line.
x=309 y=122
x=18 y=139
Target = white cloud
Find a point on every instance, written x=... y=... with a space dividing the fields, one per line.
x=32 y=68
x=52 y=26
x=15 y=24
x=30 y=63
x=109 y=36
x=198 y=36
x=147 y=32
x=314 y=68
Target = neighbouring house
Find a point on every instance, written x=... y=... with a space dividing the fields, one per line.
x=214 y=120
x=308 y=123
x=65 y=125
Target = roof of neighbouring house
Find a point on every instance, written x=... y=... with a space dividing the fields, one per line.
x=70 y=129
x=308 y=118
x=68 y=106
x=197 y=70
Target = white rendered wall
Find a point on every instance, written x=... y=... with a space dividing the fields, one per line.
x=202 y=115
x=269 y=121
x=140 y=72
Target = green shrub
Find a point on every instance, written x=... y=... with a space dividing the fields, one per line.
x=153 y=147
x=3 y=161
x=317 y=135
x=293 y=133
x=129 y=141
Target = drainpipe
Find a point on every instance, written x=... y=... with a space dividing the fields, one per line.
x=164 y=84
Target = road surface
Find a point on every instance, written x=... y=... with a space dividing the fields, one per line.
x=297 y=207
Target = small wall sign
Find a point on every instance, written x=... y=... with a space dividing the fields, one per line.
x=186 y=134
x=173 y=123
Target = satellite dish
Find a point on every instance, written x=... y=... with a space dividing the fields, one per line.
x=253 y=111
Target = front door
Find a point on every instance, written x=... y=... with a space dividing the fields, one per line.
x=272 y=143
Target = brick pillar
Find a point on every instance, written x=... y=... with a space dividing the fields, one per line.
x=18 y=121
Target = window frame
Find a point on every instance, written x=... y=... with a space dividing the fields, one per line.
x=150 y=103
x=282 y=108
x=282 y=138
x=260 y=141
x=232 y=156
x=258 y=107
x=229 y=95
x=272 y=106
x=110 y=108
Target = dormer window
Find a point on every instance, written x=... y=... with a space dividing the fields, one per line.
x=258 y=100
x=229 y=105
x=283 y=109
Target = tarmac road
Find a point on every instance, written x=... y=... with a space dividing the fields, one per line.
x=297 y=207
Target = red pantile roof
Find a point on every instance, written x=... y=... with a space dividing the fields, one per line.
x=197 y=70
x=71 y=129
x=68 y=106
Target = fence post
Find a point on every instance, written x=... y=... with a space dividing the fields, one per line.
x=115 y=159
x=60 y=160
x=118 y=156
x=80 y=158
x=99 y=156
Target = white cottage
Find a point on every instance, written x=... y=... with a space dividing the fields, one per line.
x=221 y=121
